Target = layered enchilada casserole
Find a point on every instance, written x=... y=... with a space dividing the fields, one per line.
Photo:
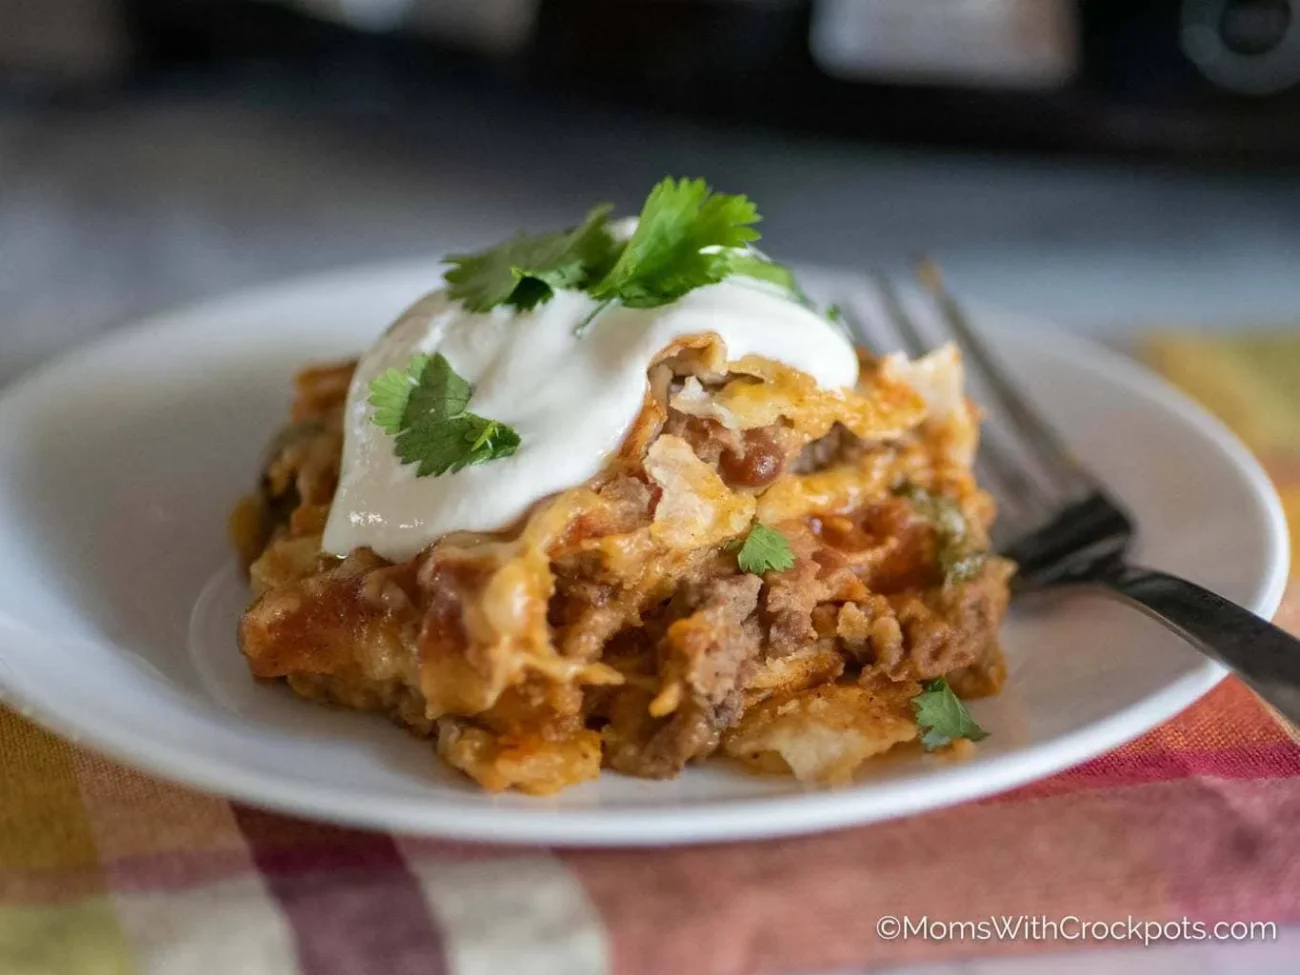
x=621 y=497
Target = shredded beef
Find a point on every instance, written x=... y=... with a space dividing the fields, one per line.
x=793 y=597
x=708 y=438
x=836 y=447
x=670 y=743
x=720 y=640
x=790 y=600
x=921 y=635
x=630 y=498
x=711 y=648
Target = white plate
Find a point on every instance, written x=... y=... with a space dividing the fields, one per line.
x=118 y=600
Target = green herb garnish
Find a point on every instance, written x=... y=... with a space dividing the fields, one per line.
x=765 y=549
x=423 y=407
x=390 y=391
x=959 y=558
x=751 y=265
x=526 y=270
x=686 y=237
x=942 y=716
x=681 y=242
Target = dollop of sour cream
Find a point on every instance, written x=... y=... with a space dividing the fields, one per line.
x=571 y=399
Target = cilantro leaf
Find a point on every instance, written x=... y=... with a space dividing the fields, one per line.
x=526 y=270
x=449 y=444
x=751 y=265
x=424 y=409
x=531 y=292
x=943 y=717
x=438 y=390
x=389 y=393
x=958 y=557
x=681 y=242
x=765 y=549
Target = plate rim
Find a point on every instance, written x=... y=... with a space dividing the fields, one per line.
x=724 y=819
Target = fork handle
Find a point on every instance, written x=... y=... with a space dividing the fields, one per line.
x=1263 y=655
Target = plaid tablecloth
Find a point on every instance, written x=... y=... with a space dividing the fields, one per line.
x=107 y=871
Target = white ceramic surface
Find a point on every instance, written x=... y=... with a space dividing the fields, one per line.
x=118 y=597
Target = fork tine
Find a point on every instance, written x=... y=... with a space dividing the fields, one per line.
x=855 y=324
x=1065 y=473
x=997 y=466
x=913 y=344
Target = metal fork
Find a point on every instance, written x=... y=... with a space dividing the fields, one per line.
x=1065 y=530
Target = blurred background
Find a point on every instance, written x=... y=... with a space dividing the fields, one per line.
x=1112 y=164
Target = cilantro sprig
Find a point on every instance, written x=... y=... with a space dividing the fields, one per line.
x=424 y=408
x=751 y=265
x=765 y=549
x=686 y=237
x=526 y=270
x=942 y=716
x=681 y=242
